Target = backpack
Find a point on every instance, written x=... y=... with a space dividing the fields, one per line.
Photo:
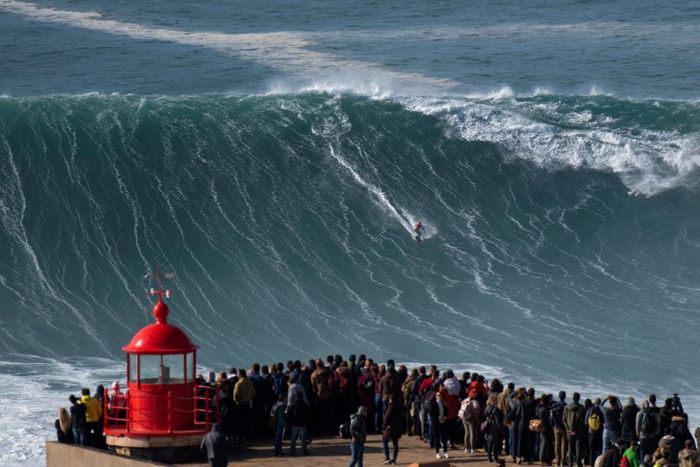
x=556 y=414
x=470 y=412
x=647 y=423
x=594 y=421
x=344 y=430
x=576 y=421
x=536 y=425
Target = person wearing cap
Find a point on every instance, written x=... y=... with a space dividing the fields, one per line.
x=93 y=412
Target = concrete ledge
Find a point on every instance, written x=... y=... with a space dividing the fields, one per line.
x=147 y=442
x=61 y=455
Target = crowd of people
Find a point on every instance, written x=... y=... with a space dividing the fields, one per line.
x=353 y=397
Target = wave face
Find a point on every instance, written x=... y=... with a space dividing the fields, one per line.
x=561 y=232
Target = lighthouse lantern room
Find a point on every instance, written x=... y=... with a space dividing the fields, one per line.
x=164 y=406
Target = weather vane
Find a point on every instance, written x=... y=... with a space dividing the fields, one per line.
x=158 y=276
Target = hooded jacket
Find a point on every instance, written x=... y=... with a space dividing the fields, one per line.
x=214 y=444
x=679 y=430
x=632 y=457
x=654 y=421
x=452 y=386
x=357 y=428
x=93 y=410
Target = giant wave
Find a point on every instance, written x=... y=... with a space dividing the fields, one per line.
x=562 y=230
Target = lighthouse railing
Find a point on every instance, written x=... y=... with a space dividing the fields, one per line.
x=116 y=410
x=206 y=406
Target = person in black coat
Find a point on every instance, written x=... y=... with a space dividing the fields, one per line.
x=214 y=447
x=524 y=412
x=78 y=420
x=542 y=413
x=393 y=427
x=679 y=430
x=493 y=416
x=629 y=422
x=438 y=418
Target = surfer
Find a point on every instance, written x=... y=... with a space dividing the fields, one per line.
x=419 y=229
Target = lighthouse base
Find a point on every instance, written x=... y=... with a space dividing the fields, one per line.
x=168 y=449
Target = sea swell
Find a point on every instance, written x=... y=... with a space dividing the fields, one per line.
x=561 y=231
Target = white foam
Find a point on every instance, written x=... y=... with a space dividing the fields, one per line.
x=375 y=191
x=647 y=161
x=34 y=388
x=287 y=51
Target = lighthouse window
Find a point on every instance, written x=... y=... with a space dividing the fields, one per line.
x=133 y=367
x=191 y=370
x=150 y=368
x=174 y=369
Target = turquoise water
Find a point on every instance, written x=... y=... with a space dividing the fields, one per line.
x=275 y=158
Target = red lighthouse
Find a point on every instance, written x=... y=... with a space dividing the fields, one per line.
x=164 y=413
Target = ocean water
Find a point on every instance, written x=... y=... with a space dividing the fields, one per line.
x=275 y=156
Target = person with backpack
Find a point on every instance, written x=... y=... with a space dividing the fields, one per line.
x=629 y=417
x=524 y=411
x=469 y=413
x=297 y=415
x=594 y=422
x=557 y=421
x=493 y=416
x=358 y=434
x=574 y=423
x=647 y=427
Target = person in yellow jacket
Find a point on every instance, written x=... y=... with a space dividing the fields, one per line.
x=93 y=413
x=243 y=394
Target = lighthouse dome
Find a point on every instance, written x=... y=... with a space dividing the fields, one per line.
x=160 y=337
